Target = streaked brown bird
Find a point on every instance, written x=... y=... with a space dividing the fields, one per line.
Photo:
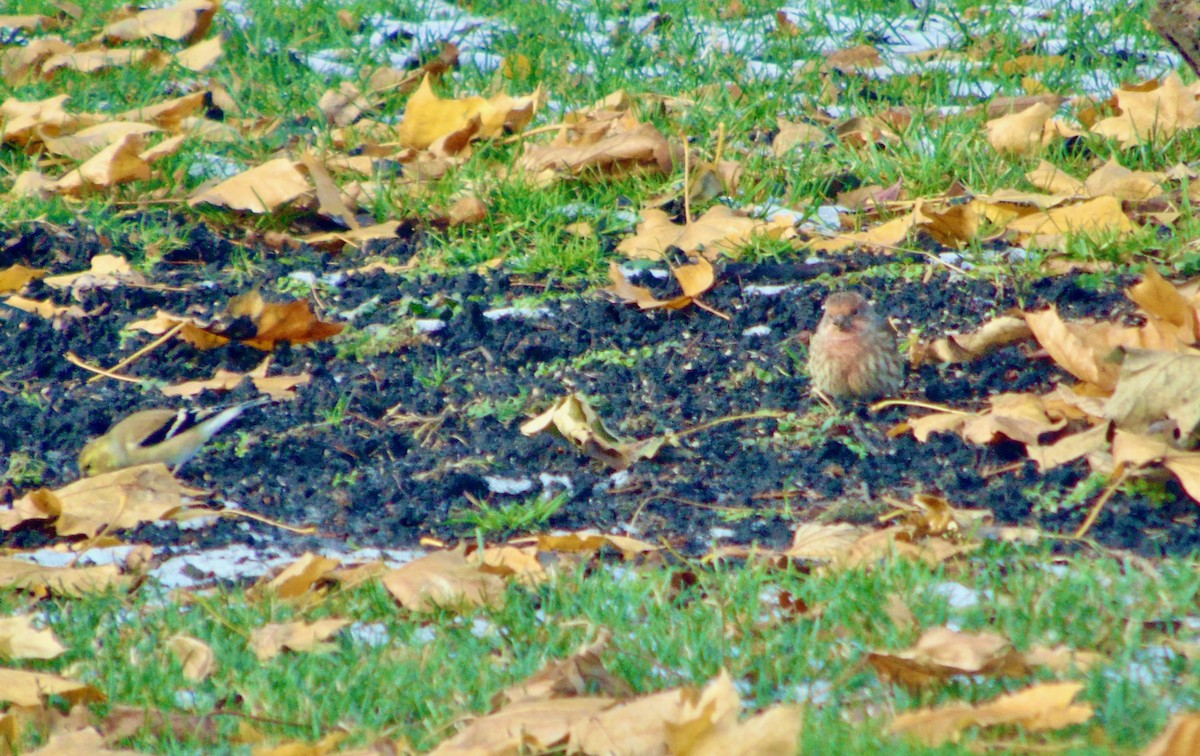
x=853 y=354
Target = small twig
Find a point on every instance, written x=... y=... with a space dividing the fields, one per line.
x=709 y=308
x=914 y=403
x=766 y=414
x=1117 y=480
x=687 y=192
x=74 y=359
x=141 y=352
x=308 y=530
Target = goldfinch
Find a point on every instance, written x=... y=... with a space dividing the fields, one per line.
x=167 y=436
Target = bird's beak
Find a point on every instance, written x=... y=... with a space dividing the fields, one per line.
x=844 y=322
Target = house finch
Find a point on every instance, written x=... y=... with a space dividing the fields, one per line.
x=168 y=436
x=853 y=353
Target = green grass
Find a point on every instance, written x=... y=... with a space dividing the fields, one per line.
x=396 y=674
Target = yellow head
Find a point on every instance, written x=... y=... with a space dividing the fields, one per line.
x=97 y=457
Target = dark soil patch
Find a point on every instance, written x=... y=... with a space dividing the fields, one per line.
x=467 y=387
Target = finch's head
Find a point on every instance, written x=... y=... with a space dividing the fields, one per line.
x=847 y=311
x=96 y=458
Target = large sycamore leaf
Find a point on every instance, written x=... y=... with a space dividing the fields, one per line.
x=694 y=279
x=599 y=143
x=719 y=230
x=942 y=653
x=188 y=20
x=32 y=688
x=445 y=580
x=1156 y=386
x=260 y=189
x=1045 y=706
x=1151 y=114
x=269 y=640
x=250 y=319
x=429 y=118
x=117 y=500
x=1022 y=133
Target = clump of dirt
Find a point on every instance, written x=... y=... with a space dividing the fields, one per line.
x=412 y=414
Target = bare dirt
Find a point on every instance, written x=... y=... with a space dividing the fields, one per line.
x=334 y=457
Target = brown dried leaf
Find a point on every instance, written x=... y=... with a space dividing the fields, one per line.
x=569 y=677
x=1074 y=349
x=269 y=640
x=298 y=579
x=590 y=542
x=1147 y=115
x=446 y=580
x=1046 y=706
x=718 y=230
x=121 y=499
x=1069 y=448
x=575 y=420
x=98 y=59
x=201 y=56
x=429 y=119
x=188 y=20
x=60 y=581
x=1156 y=386
x=1095 y=216
x=993 y=335
x=196 y=656
x=278 y=387
x=1181 y=737
x=942 y=653
x=1022 y=133
x=1162 y=301
x=694 y=280
x=32 y=688
x=606 y=147
x=258 y=190
x=19 y=639
x=15 y=276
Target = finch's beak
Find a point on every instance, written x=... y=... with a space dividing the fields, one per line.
x=844 y=322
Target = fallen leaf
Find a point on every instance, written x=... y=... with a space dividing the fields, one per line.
x=444 y=580
x=260 y=189
x=23 y=688
x=694 y=280
x=61 y=581
x=575 y=420
x=1181 y=737
x=953 y=348
x=269 y=640
x=1145 y=116
x=1022 y=133
x=611 y=147
x=117 y=500
x=19 y=639
x=1155 y=386
x=195 y=655
x=572 y=676
x=719 y=230
x=942 y=653
x=278 y=387
x=15 y=276
x=429 y=118
x=1046 y=706
x=297 y=579
x=188 y=20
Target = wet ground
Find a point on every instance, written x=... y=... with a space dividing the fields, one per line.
x=411 y=418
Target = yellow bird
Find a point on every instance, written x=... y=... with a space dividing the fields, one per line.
x=167 y=436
